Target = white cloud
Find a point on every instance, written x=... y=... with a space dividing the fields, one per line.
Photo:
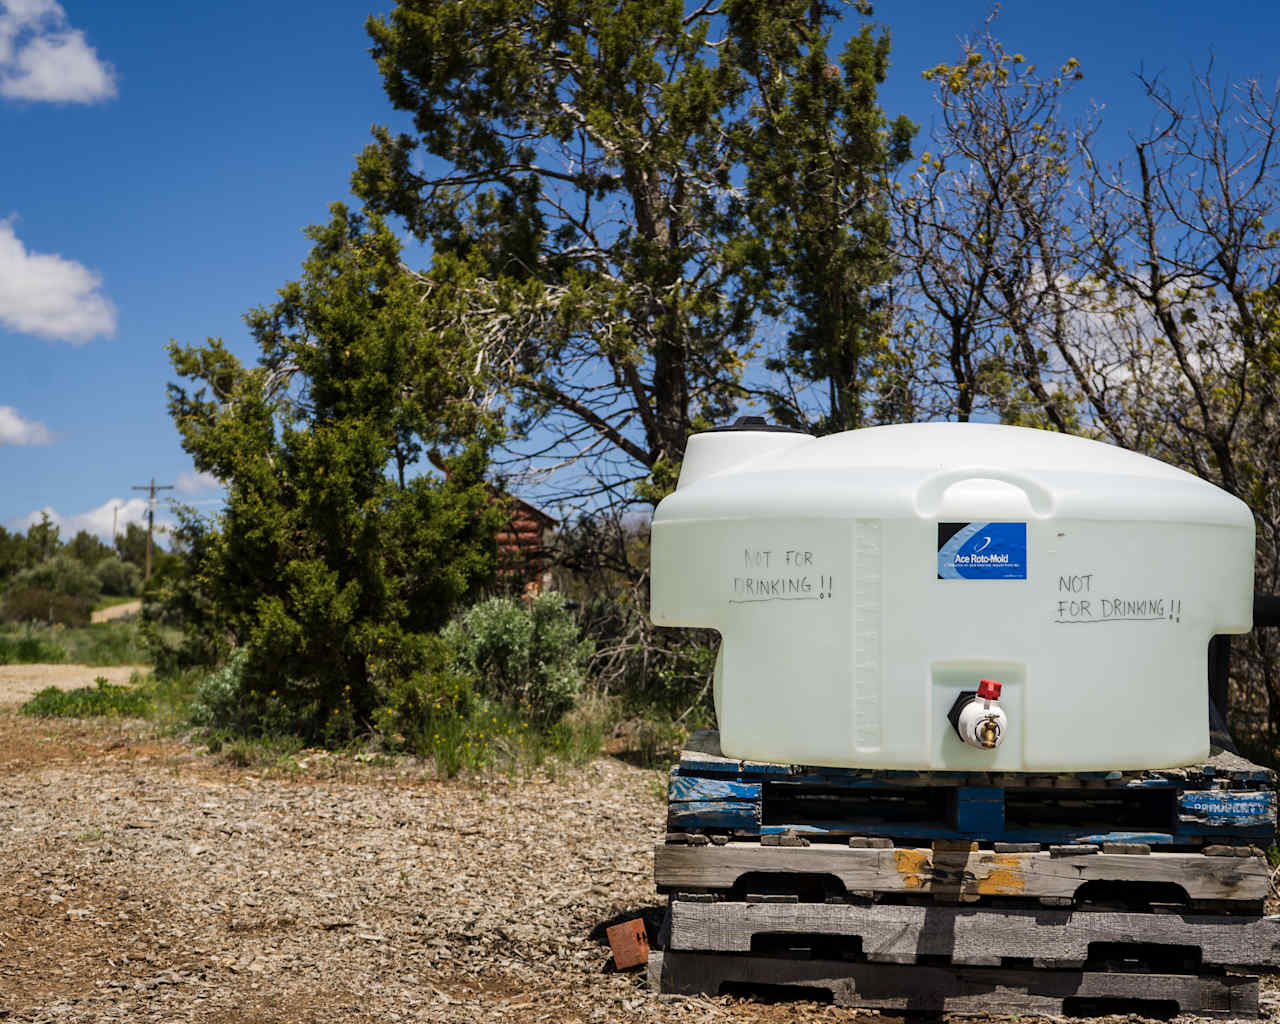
x=43 y=58
x=16 y=430
x=49 y=296
x=97 y=521
x=197 y=482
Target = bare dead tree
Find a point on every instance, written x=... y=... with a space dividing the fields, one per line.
x=985 y=235
x=1182 y=246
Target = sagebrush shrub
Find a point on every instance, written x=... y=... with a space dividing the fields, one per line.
x=219 y=699
x=529 y=656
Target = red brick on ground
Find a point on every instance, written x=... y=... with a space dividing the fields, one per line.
x=629 y=943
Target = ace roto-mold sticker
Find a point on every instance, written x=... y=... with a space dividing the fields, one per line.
x=982 y=551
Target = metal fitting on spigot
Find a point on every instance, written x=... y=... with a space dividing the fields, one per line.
x=978 y=718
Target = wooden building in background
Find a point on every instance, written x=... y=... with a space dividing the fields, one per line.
x=524 y=548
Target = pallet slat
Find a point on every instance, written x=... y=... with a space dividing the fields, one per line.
x=970 y=873
x=954 y=990
x=901 y=934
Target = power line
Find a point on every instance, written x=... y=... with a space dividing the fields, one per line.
x=151 y=488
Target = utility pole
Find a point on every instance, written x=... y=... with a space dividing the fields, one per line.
x=151 y=488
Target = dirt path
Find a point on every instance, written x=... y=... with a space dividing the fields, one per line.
x=146 y=880
x=19 y=683
x=116 y=611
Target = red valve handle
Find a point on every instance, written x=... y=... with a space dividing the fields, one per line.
x=989 y=689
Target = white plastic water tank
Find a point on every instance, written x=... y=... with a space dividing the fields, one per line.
x=861 y=582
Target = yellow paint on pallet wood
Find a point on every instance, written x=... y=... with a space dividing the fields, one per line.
x=1004 y=876
x=915 y=867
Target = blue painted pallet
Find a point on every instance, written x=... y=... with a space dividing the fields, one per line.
x=1224 y=799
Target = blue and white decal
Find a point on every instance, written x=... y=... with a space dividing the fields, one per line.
x=982 y=551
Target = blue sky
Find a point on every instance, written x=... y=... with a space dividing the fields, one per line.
x=161 y=161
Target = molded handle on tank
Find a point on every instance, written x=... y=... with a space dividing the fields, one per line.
x=929 y=495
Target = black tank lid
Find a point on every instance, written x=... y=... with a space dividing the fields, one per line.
x=756 y=423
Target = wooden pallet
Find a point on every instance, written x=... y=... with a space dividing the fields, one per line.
x=1225 y=798
x=972 y=990
x=964 y=873
x=1051 y=939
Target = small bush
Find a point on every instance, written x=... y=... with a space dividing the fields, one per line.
x=117 y=578
x=530 y=657
x=89 y=702
x=30 y=648
x=218 y=704
x=232 y=701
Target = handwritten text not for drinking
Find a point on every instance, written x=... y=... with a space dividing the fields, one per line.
x=779 y=574
x=1079 y=600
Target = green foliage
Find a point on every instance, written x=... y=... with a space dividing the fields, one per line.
x=58 y=589
x=619 y=342
x=819 y=154
x=181 y=625
x=105 y=643
x=86 y=549
x=13 y=550
x=42 y=541
x=30 y=647
x=419 y=698
x=102 y=700
x=530 y=657
x=120 y=642
x=117 y=577
x=329 y=557
x=131 y=545
x=220 y=702
x=60 y=574
x=489 y=736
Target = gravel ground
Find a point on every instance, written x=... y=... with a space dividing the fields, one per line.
x=146 y=880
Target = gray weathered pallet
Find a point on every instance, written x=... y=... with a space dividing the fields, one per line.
x=952 y=990
x=963 y=874
x=971 y=936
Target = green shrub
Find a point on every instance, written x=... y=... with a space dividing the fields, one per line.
x=239 y=699
x=414 y=703
x=219 y=704
x=30 y=648
x=118 y=578
x=530 y=657
x=62 y=574
x=87 y=702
